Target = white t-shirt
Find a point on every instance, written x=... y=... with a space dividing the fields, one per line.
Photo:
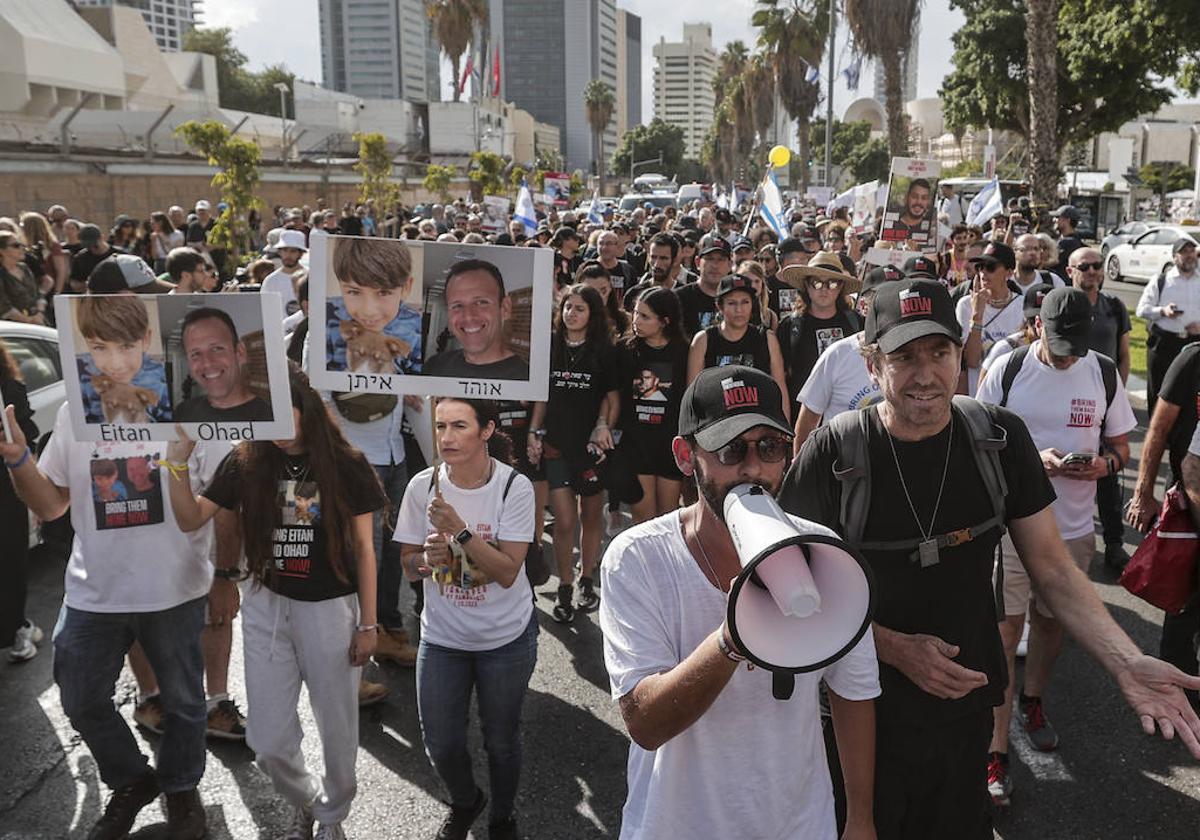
x=1194 y=446
x=280 y=282
x=998 y=322
x=752 y=767
x=480 y=615
x=128 y=554
x=839 y=381
x=1063 y=410
x=994 y=356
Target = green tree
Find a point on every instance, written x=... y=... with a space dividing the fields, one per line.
x=864 y=157
x=1164 y=177
x=882 y=30
x=644 y=142
x=239 y=88
x=437 y=180
x=599 y=102
x=516 y=176
x=375 y=165
x=870 y=161
x=454 y=23
x=487 y=174
x=237 y=178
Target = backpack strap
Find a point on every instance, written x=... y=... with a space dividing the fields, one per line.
x=1012 y=367
x=1161 y=282
x=852 y=469
x=855 y=323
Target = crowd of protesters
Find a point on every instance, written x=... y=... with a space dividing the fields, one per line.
x=649 y=305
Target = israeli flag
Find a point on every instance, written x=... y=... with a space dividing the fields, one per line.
x=812 y=74
x=771 y=208
x=524 y=212
x=985 y=204
x=595 y=217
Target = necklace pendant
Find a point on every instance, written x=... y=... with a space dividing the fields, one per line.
x=927 y=553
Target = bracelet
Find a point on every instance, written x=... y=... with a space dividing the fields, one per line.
x=367 y=628
x=976 y=327
x=176 y=470
x=728 y=652
x=20 y=461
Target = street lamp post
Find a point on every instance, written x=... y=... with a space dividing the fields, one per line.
x=283 y=89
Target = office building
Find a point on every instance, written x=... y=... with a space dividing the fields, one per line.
x=683 y=80
x=168 y=20
x=629 y=71
x=381 y=49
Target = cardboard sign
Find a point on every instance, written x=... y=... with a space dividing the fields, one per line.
x=910 y=208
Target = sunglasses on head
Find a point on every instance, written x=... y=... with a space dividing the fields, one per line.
x=825 y=284
x=771 y=450
x=988 y=265
x=1089 y=266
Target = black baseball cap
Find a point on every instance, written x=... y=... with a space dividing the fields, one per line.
x=742 y=243
x=1067 y=321
x=714 y=242
x=735 y=283
x=879 y=275
x=723 y=215
x=906 y=310
x=89 y=235
x=999 y=252
x=1035 y=296
x=920 y=267
x=1070 y=211
x=723 y=402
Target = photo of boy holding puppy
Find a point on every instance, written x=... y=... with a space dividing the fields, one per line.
x=119 y=381
x=370 y=328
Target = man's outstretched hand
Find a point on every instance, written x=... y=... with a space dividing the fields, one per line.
x=1155 y=691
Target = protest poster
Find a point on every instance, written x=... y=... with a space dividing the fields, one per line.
x=557 y=186
x=887 y=256
x=909 y=211
x=135 y=365
x=819 y=195
x=495 y=213
x=862 y=211
x=393 y=324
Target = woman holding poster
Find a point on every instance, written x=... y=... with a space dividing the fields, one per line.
x=306 y=507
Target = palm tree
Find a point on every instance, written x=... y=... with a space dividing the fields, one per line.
x=730 y=64
x=1041 y=36
x=882 y=31
x=600 y=102
x=792 y=34
x=454 y=24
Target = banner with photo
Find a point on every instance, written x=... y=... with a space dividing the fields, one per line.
x=910 y=209
x=437 y=319
x=495 y=213
x=557 y=187
x=135 y=365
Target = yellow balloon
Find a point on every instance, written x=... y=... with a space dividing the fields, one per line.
x=780 y=155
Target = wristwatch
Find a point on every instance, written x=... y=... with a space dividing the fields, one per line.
x=464 y=536
x=233 y=574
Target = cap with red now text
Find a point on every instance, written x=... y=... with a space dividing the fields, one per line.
x=906 y=310
x=723 y=402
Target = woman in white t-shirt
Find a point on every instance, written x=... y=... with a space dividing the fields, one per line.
x=464 y=527
x=163 y=239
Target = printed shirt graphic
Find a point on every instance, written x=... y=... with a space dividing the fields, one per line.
x=406 y=326
x=839 y=381
x=651 y=391
x=127 y=489
x=826 y=336
x=152 y=377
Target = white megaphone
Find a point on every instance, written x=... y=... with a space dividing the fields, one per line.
x=804 y=597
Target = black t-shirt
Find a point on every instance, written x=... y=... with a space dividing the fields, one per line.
x=635 y=255
x=453 y=363
x=780 y=296
x=301 y=568
x=621 y=276
x=699 y=308
x=565 y=268
x=751 y=350
x=1110 y=321
x=350 y=226
x=803 y=338
x=198 y=410
x=580 y=377
x=650 y=404
x=953 y=599
x=1066 y=245
x=1181 y=387
x=85 y=261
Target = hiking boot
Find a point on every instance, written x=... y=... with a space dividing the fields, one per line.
x=330 y=831
x=370 y=693
x=123 y=807
x=458 y=821
x=1116 y=557
x=394 y=646
x=1033 y=718
x=25 y=642
x=503 y=830
x=588 y=599
x=185 y=816
x=226 y=722
x=564 y=610
x=1000 y=784
x=302 y=825
x=149 y=714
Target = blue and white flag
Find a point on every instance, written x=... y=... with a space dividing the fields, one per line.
x=595 y=216
x=771 y=208
x=852 y=73
x=986 y=204
x=524 y=212
x=812 y=74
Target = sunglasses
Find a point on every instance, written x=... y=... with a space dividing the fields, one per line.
x=1089 y=266
x=988 y=265
x=825 y=284
x=771 y=450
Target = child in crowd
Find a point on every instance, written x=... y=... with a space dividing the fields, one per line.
x=116 y=332
x=370 y=329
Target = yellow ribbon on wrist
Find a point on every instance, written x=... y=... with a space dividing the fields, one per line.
x=176 y=470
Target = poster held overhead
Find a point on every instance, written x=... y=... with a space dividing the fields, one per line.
x=495 y=213
x=909 y=211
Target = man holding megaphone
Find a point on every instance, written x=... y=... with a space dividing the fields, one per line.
x=924 y=485
x=714 y=754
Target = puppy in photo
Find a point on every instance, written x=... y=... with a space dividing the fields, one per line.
x=369 y=352
x=369 y=328
x=123 y=403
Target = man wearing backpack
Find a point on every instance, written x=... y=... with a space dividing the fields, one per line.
x=924 y=485
x=1171 y=306
x=1079 y=417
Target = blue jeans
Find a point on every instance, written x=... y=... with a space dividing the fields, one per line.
x=500 y=677
x=89 y=651
x=394 y=479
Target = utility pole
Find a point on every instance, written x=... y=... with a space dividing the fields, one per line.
x=829 y=95
x=283 y=144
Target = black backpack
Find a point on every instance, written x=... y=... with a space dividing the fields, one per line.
x=1012 y=366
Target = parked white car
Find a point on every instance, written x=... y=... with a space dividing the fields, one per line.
x=1142 y=259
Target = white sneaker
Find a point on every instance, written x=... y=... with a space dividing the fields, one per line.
x=25 y=641
x=330 y=831
x=1023 y=645
x=301 y=827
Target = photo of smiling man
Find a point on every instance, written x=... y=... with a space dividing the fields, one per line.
x=477 y=308
x=216 y=359
x=909 y=213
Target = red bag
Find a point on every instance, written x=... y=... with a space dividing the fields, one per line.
x=1163 y=569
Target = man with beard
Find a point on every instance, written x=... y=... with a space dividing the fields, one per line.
x=1028 y=251
x=478 y=307
x=283 y=280
x=216 y=358
x=1171 y=307
x=935 y=626
x=916 y=207
x=699 y=300
x=665 y=269
x=699 y=720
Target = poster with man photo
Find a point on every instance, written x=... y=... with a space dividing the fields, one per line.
x=909 y=211
x=431 y=318
x=495 y=213
x=136 y=365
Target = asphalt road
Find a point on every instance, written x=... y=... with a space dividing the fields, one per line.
x=1106 y=780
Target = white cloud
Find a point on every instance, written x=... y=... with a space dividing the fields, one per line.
x=234 y=14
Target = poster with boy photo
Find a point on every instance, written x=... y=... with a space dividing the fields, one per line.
x=909 y=211
x=431 y=318
x=136 y=365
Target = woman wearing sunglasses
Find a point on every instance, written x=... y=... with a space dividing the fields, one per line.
x=992 y=311
x=821 y=315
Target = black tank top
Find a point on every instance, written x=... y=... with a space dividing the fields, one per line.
x=750 y=350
